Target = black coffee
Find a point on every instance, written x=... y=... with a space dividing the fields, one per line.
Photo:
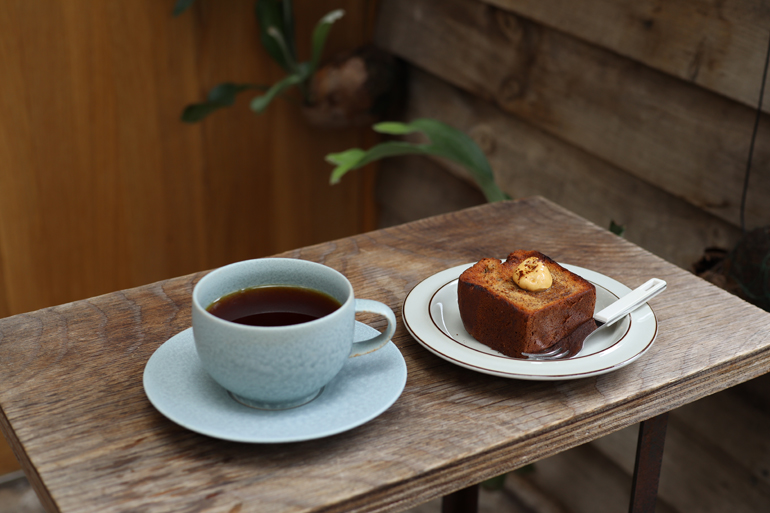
x=275 y=305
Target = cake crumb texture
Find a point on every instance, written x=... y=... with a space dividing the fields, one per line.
x=500 y=314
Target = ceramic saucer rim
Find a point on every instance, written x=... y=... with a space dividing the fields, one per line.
x=308 y=422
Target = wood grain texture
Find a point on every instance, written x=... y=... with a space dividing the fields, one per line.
x=581 y=480
x=102 y=187
x=715 y=459
x=719 y=46
x=73 y=404
x=8 y=462
x=674 y=135
x=413 y=187
x=267 y=182
x=529 y=162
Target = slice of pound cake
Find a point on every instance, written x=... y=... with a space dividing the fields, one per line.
x=527 y=304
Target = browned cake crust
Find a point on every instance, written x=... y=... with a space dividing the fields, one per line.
x=509 y=319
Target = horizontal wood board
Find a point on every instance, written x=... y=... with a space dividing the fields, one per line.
x=581 y=480
x=672 y=134
x=720 y=46
x=529 y=162
x=716 y=459
x=74 y=408
x=716 y=456
x=413 y=187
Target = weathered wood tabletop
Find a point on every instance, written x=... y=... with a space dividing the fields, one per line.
x=75 y=411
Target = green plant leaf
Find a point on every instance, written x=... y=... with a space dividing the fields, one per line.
x=445 y=141
x=394 y=128
x=288 y=27
x=346 y=158
x=526 y=469
x=494 y=483
x=223 y=95
x=617 y=229
x=356 y=157
x=320 y=33
x=289 y=59
x=270 y=14
x=303 y=71
x=181 y=6
x=452 y=144
x=260 y=103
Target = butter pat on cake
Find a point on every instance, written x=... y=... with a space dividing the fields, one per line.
x=527 y=304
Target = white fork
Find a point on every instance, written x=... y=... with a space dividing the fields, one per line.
x=610 y=315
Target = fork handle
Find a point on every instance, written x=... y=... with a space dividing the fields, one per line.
x=630 y=301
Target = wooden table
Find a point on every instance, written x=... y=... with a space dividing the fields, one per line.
x=75 y=412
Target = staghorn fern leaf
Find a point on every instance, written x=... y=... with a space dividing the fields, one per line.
x=181 y=6
x=445 y=141
x=221 y=96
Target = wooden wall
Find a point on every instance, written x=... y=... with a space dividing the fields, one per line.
x=640 y=112
x=103 y=188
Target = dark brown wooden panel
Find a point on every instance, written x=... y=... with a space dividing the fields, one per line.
x=531 y=162
x=719 y=46
x=679 y=137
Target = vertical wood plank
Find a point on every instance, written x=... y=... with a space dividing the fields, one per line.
x=266 y=175
x=8 y=462
x=679 y=137
x=103 y=188
x=99 y=186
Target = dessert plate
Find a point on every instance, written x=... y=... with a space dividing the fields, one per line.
x=432 y=317
x=178 y=386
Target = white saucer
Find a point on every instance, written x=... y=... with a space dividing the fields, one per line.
x=178 y=386
x=432 y=316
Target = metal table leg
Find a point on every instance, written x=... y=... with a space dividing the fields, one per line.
x=649 y=456
x=461 y=501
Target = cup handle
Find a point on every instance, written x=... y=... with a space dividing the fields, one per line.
x=373 y=344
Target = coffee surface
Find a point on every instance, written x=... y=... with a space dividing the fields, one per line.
x=276 y=305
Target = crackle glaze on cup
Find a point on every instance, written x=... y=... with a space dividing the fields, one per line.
x=279 y=367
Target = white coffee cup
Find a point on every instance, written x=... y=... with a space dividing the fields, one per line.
x=279 y=367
